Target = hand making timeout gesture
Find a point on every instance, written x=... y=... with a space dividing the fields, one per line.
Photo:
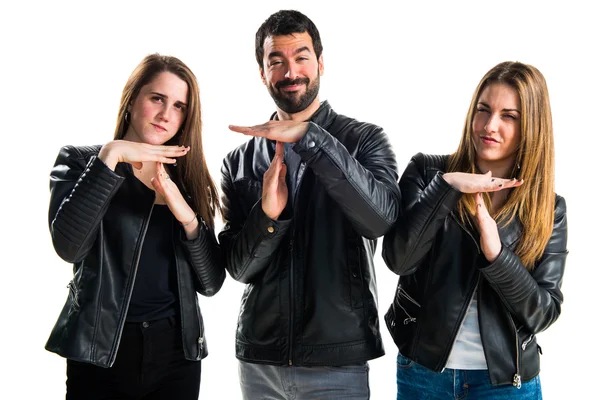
x=275 y=191
x=282 y=131
x=485 y=224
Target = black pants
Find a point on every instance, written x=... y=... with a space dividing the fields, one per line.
x=150 y=365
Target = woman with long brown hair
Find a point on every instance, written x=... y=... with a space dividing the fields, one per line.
x=135 y=217
x=480 y=249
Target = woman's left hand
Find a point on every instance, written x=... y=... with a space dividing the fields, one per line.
x=488 y=230
x=170 y=192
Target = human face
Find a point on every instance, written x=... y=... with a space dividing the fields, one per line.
x=158 y=110
x=497 y=127
x=291 y=71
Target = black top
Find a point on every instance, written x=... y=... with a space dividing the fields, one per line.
x=155 y=289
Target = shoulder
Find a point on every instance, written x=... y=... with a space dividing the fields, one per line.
x=429 y=162
x=560 y=207
x=345 y=123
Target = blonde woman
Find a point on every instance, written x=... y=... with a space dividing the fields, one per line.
x=480 y=249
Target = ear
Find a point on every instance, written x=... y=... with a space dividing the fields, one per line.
x=262 y=75
x=321 y=65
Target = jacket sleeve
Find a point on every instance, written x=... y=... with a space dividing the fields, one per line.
x=80 y=193
x=248 y=240
x=425 y=206
x=535 y=298
x=364 y=187
x=204 y=255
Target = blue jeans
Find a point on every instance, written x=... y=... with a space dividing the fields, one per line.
x=419 y=383
x=272 y=382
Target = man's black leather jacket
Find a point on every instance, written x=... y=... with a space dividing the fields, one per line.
x=98 y=219
x=310 y=297
x=440 y=265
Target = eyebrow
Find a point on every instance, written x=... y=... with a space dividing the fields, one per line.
x=280 y=54
x=166 y=97
x=504 y=109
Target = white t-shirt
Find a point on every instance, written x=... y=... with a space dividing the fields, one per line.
x=467 y=352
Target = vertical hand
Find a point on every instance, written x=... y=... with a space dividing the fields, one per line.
x=488 y=230
x=275 y=191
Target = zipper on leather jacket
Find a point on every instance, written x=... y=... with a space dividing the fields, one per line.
x=402 y=293
x=132 y=278
x=73 y=294
x=301 y=169
x=526 y=343
x=291 y=324
x=517 y=377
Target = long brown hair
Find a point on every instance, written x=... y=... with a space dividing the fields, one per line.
x=532 y=202
x=191 y=171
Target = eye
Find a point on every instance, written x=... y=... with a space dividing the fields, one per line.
x=181 y=107
x=275 y=63
x=481 y=109
x=157 y=98
x=302 y=58
x=510 y=116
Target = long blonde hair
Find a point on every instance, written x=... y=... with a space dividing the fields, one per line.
x=533 y=202
x=191 y=172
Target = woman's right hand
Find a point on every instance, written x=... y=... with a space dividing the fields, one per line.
x=135 y=153
x=477 y=183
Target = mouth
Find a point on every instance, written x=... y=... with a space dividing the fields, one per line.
x=289 y=85
x=488 y=140
x=291 y=88
x=159 y=128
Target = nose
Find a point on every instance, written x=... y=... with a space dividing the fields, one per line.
x=292 y=71
x=492 y=123
x=165 y=113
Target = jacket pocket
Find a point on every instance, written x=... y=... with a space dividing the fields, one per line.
x=355 y=276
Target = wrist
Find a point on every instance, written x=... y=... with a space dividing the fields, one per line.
x=107 y=157
x=492 y=255
x=449 y=178
x=189 y=221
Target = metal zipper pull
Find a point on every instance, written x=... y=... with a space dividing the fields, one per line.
x=517 y=381
x=526 y=343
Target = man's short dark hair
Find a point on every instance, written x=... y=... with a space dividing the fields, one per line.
x=286 y=22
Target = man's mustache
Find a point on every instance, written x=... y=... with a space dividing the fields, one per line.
x=291 y=82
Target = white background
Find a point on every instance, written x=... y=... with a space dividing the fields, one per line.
x=410 y=68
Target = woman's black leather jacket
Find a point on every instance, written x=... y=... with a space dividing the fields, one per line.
x=440 y=264
x=98 y=219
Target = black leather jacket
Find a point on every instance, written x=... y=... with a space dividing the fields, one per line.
x=440 y=265
x=98 y=219
x=310 y=297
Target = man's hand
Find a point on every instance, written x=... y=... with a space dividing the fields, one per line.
x=275 y=191
x=281 y=131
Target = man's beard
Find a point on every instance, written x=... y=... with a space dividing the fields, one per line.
x=293 y=103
